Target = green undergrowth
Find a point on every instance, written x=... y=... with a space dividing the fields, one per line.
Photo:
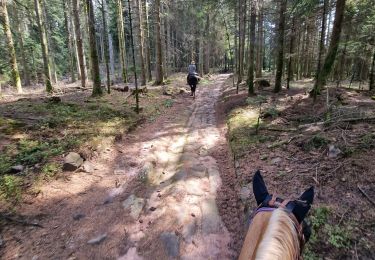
x=316 y=142
x=327 y=233
x=242 y=124
x=40 y=133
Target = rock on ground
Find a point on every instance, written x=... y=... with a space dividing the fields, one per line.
x=72 y=162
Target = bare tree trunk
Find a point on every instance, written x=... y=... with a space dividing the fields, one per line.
x=51 y=53
x=280 y=46
x=106 y=43
x=147 y=39
x=321 y=49
x=95 y=72
x=4 y=19
x=206 y=63
x=159 y=54
x=291 y=53
x=69 y=41
x=333 y=46
x=241 y=47
x=133 y=52
x=163 y=39
x=298 y=62
x=20 y=31
x=259 y=62
x=250 y=73
x=139 y=24
x=110 y=42
x=111 y=54
x=236 y=40
x=168 y=40
x=79 y=42
x=121 y=38
x=329 y=22
x=43 y=41
x=372 y=74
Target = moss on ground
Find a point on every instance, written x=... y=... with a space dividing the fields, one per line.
x=242 y=124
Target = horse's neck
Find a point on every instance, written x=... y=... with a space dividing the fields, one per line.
x=272 y=235
x=254 y=235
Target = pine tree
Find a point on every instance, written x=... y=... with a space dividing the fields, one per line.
x=121 y=38
x=159 y=54
x=250 y=73
x=4 y=19
x=43 y=41
x=95 y=72
x=280 y=46
x=79 y=42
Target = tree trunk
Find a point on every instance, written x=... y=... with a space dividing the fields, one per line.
x=321 y=49
x=147 y=39
x=163 y=39
x=95 y=72
x=291 y=53
x=25 y=66
x=372 y=74
x=206 y=63
x=106 y=43
x=259 y=63
x=159 y=54
x=51 y=54
x=236 y=33
x=241 y=40
x=4 y=19
x=111 y=54
x=43 y=41
x=79 y=42
x=69 y=41
x=280 y=52
x=250 y=73
x=139 y=25
x=121 y=38
x=167 y=40
x=333 y=46
x=133 y=52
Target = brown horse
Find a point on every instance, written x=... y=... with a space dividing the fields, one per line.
x=277 y=230
x=193 y=80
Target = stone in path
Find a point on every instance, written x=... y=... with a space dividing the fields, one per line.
x=135 y=205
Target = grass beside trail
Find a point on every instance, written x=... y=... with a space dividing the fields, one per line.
x=37 y=133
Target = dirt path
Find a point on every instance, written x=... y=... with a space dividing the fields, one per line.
x=152 y=196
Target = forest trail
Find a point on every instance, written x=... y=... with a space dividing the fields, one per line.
x=152 y=196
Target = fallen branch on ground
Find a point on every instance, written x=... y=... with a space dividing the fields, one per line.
x=121 y=89
x=279 y=129
x=365 y=194
x=355 y=119
x=277 y=144
x=17 y=221
x=336 y=120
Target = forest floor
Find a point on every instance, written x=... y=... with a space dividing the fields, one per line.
x=298 y=143
x=174 y=182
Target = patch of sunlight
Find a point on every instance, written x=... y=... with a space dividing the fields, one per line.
x=20 y=136
x=211 y=138
x=177 y=144
x=164 y=156
x=243 y=118
x=110 y=127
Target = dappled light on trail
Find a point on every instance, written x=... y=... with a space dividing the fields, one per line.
x=151 y=196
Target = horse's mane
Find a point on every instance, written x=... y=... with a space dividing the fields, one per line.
x=280 y=240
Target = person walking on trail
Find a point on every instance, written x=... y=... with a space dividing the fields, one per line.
x=192 y=78
x=192 y=68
